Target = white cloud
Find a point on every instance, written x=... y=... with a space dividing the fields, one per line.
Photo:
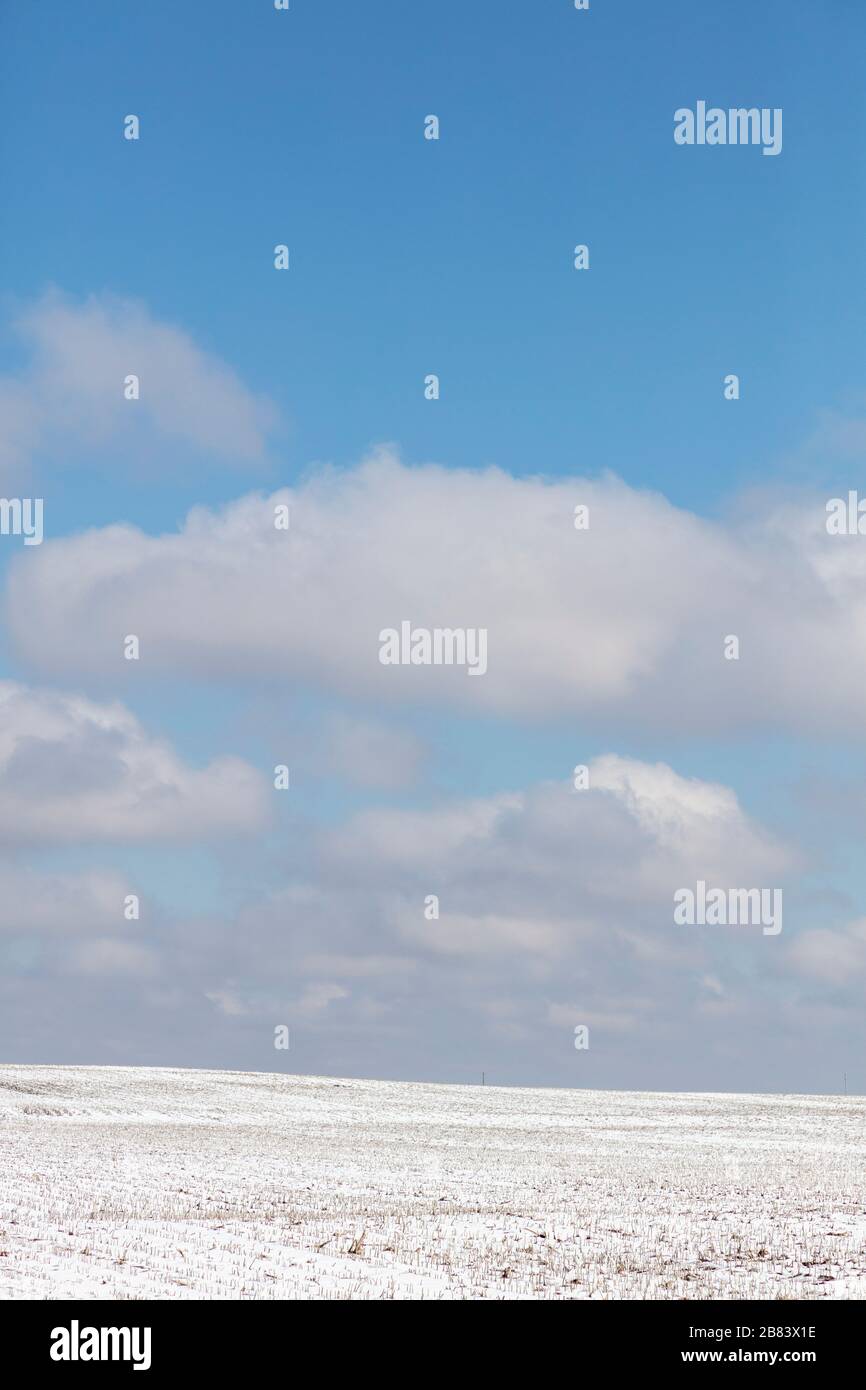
x=683 y=814
x=547 y=897
x=73 y=770
x=541 y=871
x=625 y=621
x=556 y=908
x=72 y=389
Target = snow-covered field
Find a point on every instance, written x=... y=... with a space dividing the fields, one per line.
x=144 y=1183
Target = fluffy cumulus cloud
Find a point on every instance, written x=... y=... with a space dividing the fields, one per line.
x=555 y=907
x=530 y=878
x=71 y=390
x=77 y=775
x=625 y=620
x=73 y=770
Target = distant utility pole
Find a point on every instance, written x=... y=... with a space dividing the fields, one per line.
x=482 y=1078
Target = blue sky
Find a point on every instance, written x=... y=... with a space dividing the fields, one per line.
x=303 y=127
x=453 y=257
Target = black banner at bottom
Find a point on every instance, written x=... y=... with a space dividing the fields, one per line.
x=156 y=1339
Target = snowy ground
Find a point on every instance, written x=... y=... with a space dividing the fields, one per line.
x=144 y=1183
